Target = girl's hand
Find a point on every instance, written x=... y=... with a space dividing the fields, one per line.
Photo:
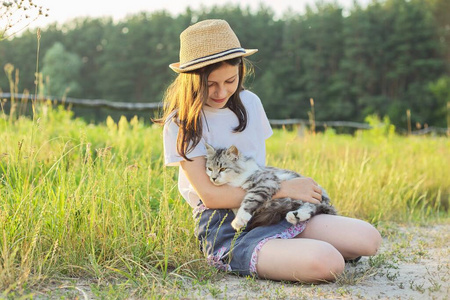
x=302 y=188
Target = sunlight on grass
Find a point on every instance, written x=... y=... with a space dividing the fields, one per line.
x=374 y=178
x=95 y=201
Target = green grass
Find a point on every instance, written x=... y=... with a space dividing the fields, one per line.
x=373 y=177
x=95 y=201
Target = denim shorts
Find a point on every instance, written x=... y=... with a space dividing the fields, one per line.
x=233 y=251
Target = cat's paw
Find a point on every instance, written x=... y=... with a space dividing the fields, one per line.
x=240 y=220
x=294 y=217
x=238 y=224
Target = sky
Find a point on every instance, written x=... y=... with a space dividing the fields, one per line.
x=62 y=11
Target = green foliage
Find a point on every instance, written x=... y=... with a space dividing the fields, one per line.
x=380 y=128
x=441 y=91
x=379 y=59
x=137 y=52
x=61 y=72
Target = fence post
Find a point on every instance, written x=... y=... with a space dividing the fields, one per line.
x=408 y=120
x=301 y=129
x=448 y=118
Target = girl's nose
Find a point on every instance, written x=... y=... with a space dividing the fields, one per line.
x=220 y=92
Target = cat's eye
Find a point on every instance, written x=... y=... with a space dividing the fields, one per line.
x=222 y=169
x=209 y=169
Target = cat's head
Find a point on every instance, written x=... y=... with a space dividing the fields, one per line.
x=222 y=164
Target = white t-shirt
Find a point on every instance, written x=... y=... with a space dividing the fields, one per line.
x=218 y=132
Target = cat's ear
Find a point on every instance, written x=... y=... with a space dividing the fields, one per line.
x=209 y=149
x=233 y=151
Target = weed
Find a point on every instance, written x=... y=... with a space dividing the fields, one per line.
x=280 y=292
x=214 y=291
x=435 y=285
x=343 y=291
x=417 y=287
x=378 y=261
x=392 y=276
x=355 y=276
x=250 y=283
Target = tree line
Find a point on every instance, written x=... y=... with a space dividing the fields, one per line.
x=386 y=58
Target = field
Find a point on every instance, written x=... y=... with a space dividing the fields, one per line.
x=95 y=204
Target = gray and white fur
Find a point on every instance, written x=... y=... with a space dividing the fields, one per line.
x=229 y=166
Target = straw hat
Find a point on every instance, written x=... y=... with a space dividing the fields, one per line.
x=206 y=43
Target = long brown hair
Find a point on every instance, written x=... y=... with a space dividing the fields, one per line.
x=184 y=100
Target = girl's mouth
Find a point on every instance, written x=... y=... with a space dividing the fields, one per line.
x=219 y=100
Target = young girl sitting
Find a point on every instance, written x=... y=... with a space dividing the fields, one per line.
x=207 y=103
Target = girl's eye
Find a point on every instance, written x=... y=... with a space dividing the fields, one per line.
x=231 y=81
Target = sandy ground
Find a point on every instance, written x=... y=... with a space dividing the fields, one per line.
x=413 y=263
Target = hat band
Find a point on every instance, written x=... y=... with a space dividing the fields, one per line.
x=211 y=57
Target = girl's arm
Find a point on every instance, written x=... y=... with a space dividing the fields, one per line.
x=213 y=196
x=227 y=196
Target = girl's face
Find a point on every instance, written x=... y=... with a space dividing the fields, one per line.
x=222 y=84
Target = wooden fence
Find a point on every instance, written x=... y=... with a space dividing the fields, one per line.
x=151 y=106
x=87 y=102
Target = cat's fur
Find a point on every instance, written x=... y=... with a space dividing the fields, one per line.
x=229 y=166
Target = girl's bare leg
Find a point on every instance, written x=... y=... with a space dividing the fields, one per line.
x=304 y=260
x=319 y=251
x=351 y=237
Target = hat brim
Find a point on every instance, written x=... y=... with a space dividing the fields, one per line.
x=176 y=66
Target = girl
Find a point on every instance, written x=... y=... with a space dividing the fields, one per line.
x=207 y=103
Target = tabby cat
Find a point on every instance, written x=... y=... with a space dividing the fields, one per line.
x=229 y=166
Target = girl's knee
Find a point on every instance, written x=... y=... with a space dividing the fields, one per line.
x=302 y=260
x=365 y=242
x=373 y=241
x=326 y=264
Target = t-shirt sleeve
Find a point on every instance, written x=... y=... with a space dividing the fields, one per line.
x=265 y=124
x=171 y=156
